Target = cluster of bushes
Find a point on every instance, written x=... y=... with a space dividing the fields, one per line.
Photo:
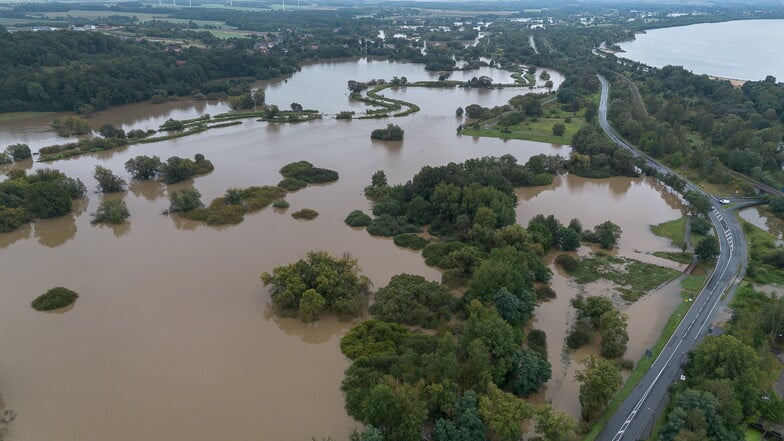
x=316 y=284
x=305 y=213
x=55 y=298
x=70 y=126
x=458 y=200
x=111 y=211
x=301 y=173
x=461 y=385
x=595 y=156
x=358 y=219
x=412 y=300
x=174 y=170
x=44 y=194
x=605 y=234
x=598 y=315
x=15 y=152
x=391 y=133
x=228 y=209
x=410 y=240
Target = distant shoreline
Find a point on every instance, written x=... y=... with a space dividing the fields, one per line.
x=734 y=81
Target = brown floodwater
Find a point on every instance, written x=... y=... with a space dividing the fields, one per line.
x=761 y=217
x=172 y=337
x=633 y=204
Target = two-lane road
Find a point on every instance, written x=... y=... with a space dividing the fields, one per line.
x=635 y=417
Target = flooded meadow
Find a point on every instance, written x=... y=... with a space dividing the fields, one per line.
x=172 y=336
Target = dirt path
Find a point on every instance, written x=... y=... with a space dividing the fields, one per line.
x=636 y=97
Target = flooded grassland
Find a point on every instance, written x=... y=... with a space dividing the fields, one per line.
x=172 y=337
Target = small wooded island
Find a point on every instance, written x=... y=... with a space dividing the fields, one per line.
x=56 y=298
x=392 y=132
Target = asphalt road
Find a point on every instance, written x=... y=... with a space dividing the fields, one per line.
x=635 y=417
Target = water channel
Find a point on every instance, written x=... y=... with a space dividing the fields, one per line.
x=172 y=337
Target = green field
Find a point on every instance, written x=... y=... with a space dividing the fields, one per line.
x=540 y=130
x=14 y=116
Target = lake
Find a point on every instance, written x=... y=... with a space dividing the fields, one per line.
x=172 y=336
x=745 y=49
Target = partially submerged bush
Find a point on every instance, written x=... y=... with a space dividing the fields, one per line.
x=280 y=203
x=410 y=240
x=177 y=169
x=112 y=211
x=231 y=208
x=183 y=200
x=305 y=213
x=390 y=226
x=567 y=262
x=292 y=184
x=306 y=172
x=357 y=219
x=56 y=298
x=391 y=133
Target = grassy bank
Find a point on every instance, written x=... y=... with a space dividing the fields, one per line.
x=675 y=230
x=690 y=285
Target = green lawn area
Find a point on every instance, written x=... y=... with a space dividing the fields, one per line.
x=752 y=435
x=534 y=129
x=684 y=257
x=674 y=230
x=13 y=116
x=634 y=278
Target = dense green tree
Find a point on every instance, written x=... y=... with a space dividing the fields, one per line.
x=19 y=151
x=186 y=199
x=412 y=300
x=554 y=425
x=569 y=239
x=698 y=202
x=108 y=182
x=177 y=169
x=695 y=414
x=311 y=305
x=337 y=280
x=503 y=413
x=599 y=380
x=47 y=199
x=614 y=341
x=559 y=129
x=499 y=337
x=397 y=410
x=529 y=372
x=372 y=337
x=726 y=357
x=143 y=168
x=707 y=248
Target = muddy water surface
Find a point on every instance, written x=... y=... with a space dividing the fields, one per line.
x=633 y=204
x=172 y=337
x=762 y=217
